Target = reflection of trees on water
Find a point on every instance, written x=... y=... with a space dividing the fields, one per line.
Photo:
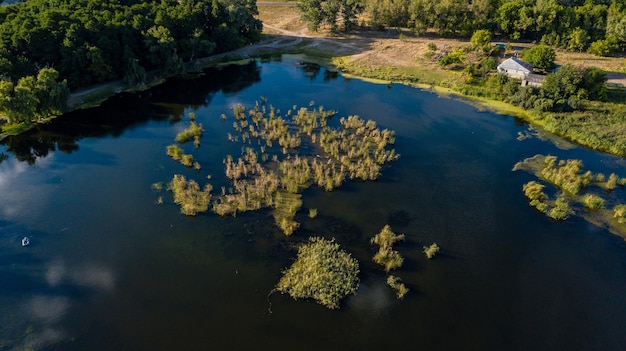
x=164 y=102
x=312 y=70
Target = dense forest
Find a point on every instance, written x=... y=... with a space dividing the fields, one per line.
x=76 y=43
x=596 y=25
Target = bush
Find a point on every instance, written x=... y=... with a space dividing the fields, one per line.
x=481 y=39
x=605 y=47
x=322 y=272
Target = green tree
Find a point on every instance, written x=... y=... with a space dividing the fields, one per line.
x=541 y=56
x=578 y=40
x=482 y=39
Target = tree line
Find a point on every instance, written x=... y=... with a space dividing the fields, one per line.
x=599 y=25
x=84 y=42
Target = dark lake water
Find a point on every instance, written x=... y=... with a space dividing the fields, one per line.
x=109 y=269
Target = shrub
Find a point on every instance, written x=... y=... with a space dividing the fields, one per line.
x=322 y=271
x=481 y=39
x=604 y=47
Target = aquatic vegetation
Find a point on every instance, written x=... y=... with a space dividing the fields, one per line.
x=619 y=212
x=398 y=286
x=158 y=186
x=431 y=250
x=175 y=152
x=189 y=196
x=286 y=205
x=570 y=177
x=193 y=132
x=561 y=210
x=534 y=193
x=322 y=271
x=386 y=256
x=272 y=170
x=312 y=212
x=592 y=201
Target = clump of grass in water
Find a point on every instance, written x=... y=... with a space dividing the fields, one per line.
x=285 y=207
x=312 y=212
x=619 y=212
x=593 y=202
x=534 y=193
x=431 y=250
x=398 y=286
x=189 y=196
x=561 y=210
x=193 y=132
x=386 y=256
x=323 y=272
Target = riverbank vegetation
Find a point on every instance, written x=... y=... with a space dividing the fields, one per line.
x=575 y=195
x=322 y=271
x=78 y=43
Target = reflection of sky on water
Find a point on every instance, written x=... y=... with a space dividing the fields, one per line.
x=43 y=312
x=17 y=197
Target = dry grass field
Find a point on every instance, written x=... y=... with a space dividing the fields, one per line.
x=376 y=49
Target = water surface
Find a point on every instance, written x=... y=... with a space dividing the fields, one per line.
x=108 y=269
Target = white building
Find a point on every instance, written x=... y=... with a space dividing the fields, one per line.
x=515 y=68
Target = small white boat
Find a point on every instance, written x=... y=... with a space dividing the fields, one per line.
x=25 y=241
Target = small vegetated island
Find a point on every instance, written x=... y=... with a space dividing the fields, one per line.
x=579 y=191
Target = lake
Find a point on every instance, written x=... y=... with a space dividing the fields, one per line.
x=110 y=269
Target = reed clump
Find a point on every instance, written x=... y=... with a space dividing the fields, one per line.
x=431 y=250
x=592 y=201
x=189 y=196
x=386 y=256
x=561 y=210
x=619 y=212
x=398 y=286
x=286 y=205
x=193 y=132
x=534 y=192
x=323 y=272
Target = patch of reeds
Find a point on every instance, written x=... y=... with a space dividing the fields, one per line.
x=189 y=196
x=286 y=205
x=431 y=250
x=566 y=174
x=312 y=212
x=592 y=201
x=534 y=192
x=386 y=256
x=619 y=212
x=323 y=272
x=561 y=210
x=398 y=286
x=193 y=132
